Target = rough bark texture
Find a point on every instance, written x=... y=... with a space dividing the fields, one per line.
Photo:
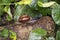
x=23 y=30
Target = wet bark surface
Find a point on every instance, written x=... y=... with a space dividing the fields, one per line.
x=23 y=30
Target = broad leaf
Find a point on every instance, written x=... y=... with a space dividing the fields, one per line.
x=12 y=35
x=1 y=9
x=37 y=34
x=24 y=9
x=46 y=4
x=24 y=2
x=40 y=31
x=45 y=8
x=43 y=1
x=56 y=13
x=5 y=2
x=40 y=2
x=50 y=38
x=8 y=11
x=45 y=11
x=34 y=36
x=4 y=33
x=18 y=12
x=8 y=33
x=58 y=35
x=34 y=5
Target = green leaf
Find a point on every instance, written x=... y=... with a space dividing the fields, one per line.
x=8 y=10
x=1 y=10
x=13 y=0
x=4 y=33
x=50 y=38
x=40 y=2
x=43 y=1
x=56 y=13
x=12 y=35
x=25 y=2
x=8 y=18
x=44 y=10
x=40 y=31
x=34 y=36
x=48 y=4
x=5 y=2
x=34 y=5
x=8 y=33
x=58 y=35
x=38 y=34
x=18 y=12
x=24 y=9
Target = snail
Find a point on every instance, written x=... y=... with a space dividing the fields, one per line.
x=24 y=18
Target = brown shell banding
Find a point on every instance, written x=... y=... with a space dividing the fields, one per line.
x=24 y=18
